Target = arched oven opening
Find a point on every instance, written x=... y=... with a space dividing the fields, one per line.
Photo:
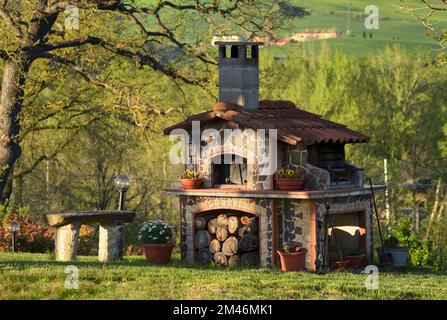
x=229 y=171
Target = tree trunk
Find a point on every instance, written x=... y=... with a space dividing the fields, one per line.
x=14 y=75
x=250 y=259
x=441 y=209
x=233 y=224
x=249 y=229
x=220 y=258
x=435 y=208
x=230 y=246
x=248 y=242
x=200 y=223
x=204 y=256
x=245 y=220
x=202 y=239
x=212 y=226
x=222 y=220
x=221 y=233
x=215 y=246
x=233 y=261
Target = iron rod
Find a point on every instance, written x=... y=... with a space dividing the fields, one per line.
x=377 y=218
x=13 y=239
x=121 y=201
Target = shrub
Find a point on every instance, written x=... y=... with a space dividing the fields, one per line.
x=419 y=250
x=134 y=250
x=86 y=240
x=32 y=237
x=156 y=231
x=35 y=237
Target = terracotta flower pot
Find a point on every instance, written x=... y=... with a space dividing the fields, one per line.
x=354 y=261
x=293 y=261
x=336 y=265
x=158 y=253
x=290 y=184
x=191 y=183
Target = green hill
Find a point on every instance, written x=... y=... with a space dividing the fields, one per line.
x=395 y=26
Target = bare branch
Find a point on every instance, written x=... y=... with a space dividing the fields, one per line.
x=145 y=59
x=60 y=6
x=8 y=19
x=59 y=149
x=73 y=66
x=70 y=44
x=436 y=8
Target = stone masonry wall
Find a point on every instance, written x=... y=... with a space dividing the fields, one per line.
x=315 y=178
x=294 y=224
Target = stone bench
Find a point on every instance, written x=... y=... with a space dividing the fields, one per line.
x=111 y=232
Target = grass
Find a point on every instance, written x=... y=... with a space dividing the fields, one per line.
x=38 y=276
x=395 y=27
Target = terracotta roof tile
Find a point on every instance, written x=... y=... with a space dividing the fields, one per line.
x=294 y=125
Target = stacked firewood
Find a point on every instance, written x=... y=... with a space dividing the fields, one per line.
x=227 y=240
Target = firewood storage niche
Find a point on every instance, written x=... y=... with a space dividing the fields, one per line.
x=226 y=237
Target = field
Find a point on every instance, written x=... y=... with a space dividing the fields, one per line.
x=38 y=276
x=395 y=26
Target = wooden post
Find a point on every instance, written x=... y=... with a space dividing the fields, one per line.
x=313 y=235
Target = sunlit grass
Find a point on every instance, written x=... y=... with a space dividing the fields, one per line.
x=38 y=276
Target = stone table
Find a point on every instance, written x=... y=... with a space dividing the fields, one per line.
x=111 y=232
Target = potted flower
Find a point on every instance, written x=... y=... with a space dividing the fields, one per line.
x=398 y=254
x=292 y=256
x=354 y=259
x=158 y=241
x=190 y=179
x=290 y=179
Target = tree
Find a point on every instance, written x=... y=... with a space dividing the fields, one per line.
x=426 y=13
x=32 y=30
x=395 y=98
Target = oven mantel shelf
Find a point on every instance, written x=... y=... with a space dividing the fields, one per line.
x=275 y=194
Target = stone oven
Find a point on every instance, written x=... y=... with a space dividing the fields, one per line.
x=241 y=142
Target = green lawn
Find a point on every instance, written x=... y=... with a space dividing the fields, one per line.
x=38 y=276
x=395 y=27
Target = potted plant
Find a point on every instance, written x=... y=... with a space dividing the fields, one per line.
x=290 y=179
x=337 y=261
x=158 y=241
x=190 y=179
x=354 y=259
x=339 y=264
x=292 y=256
x=399 y=255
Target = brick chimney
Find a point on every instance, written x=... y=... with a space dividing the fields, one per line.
x=238 y=71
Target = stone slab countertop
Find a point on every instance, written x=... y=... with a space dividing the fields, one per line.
x=278 y=194
x=89 y=217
